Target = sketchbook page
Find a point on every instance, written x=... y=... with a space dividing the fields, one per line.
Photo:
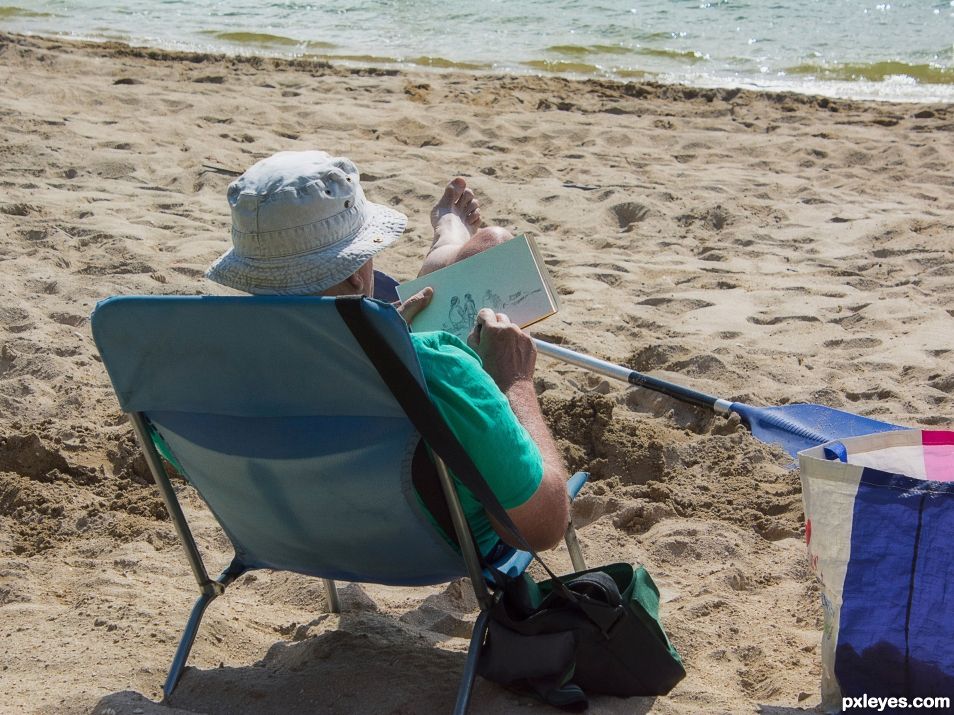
x=504 y=278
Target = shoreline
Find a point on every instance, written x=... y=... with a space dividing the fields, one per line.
x=839 y=90
x=765 y=248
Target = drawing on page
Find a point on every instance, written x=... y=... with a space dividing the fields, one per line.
x=462 y=313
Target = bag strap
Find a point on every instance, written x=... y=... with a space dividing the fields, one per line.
x=598 y=587
x=426 y=482
x=598 y=583
x=417 y=404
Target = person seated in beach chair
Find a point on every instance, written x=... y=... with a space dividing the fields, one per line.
x=301 y=226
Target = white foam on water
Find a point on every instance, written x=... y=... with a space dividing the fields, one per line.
x=762 y=46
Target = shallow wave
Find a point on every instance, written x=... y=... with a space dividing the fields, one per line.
x=263 y=39
x=587 y=50
x=690 y=56
x=563 y=66
x=9 y=11
x=877 y=72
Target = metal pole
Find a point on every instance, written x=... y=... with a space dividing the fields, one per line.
x=470 y=666
x=637 y=379
x=467 y=547
x=331 y=592
x=573 y=547
x=172 y=506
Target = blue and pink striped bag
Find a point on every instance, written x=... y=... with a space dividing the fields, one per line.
x=879 y=523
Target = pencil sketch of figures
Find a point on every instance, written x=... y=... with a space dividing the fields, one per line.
x=462 y=312
x=519 y=297
x=470 y=310
x=456 y=316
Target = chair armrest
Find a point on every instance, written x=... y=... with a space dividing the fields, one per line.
x=575 y=483
x=515 y=562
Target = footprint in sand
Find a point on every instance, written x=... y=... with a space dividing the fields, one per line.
x=118 y=146
x=711 y=254
x=701 y=365
x=610 y=279
x=15 y=320
x=760 y=320
x=606 y=266
x=19 y=209
x=714 y=218
x=628 y=214
x=676 y=306
x=70 y=319
x=457 y=127
x=852 y=343
x=112 y=169
x=34 y=234
x=654 y=356
x=945 y=383
x=411 y=132
x=881 y=395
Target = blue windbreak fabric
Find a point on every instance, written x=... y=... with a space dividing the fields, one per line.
x=284 y=427
x=894 y=637
x=801 y=426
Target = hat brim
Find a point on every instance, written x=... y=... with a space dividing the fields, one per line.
x=313 y=272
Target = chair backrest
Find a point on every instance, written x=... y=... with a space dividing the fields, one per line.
x=284 y=427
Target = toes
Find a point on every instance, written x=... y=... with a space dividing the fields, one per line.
x=465 y=198
x=455 y=189
x=452 y=192
x=473 y=218
x=448 y=197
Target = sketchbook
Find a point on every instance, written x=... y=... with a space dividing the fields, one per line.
x=510 y=278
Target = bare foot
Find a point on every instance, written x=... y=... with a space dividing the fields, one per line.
x=456 y=216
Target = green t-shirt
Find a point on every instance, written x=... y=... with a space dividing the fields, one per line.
x=479 y=415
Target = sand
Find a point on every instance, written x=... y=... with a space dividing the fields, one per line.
x=767 y=248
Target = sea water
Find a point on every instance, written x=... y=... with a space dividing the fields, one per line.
x=902 y=51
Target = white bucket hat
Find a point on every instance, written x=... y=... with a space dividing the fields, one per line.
x=301 y=224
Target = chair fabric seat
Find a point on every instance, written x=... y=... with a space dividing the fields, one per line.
x=280 y=486
x=284 y=428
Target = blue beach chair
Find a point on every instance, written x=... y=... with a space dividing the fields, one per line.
x=276 y=415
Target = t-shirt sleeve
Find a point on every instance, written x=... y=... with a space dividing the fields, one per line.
x=480 y=416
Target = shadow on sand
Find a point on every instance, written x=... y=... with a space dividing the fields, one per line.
x=370 y=664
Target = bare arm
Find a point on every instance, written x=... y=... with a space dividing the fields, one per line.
x=542 y=519
x=509 y=357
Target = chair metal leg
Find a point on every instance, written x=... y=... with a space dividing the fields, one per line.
x=470 y=667
x=464 y=539
x=185 y=645
x=573 y=546
x=331 y=592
